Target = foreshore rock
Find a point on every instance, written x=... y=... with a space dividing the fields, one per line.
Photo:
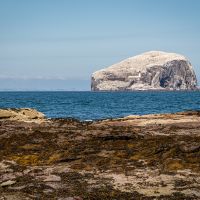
x=154 y=70
x=22 y=114
x=137 y=157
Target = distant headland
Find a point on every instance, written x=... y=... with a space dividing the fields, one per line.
x=154 y=70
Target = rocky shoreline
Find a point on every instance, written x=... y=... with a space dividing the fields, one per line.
x=136 y=157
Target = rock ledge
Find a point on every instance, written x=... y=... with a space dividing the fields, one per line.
x=22 y=114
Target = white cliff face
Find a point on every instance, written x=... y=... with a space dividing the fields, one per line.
x=154 y=70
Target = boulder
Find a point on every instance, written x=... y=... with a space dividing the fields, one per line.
x=154 y=70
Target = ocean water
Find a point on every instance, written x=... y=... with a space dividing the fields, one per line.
x=101 y=105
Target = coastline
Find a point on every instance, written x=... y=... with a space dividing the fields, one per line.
x=136 y=157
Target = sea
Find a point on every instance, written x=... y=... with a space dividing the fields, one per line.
x=102 y=105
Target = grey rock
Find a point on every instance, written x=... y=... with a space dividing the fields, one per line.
x=154 y=70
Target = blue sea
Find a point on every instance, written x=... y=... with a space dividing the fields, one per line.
x=101 y=105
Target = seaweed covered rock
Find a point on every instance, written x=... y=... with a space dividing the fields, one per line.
x=147 y=157
x=154 y=70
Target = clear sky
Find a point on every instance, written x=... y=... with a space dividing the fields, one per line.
x=57 y=44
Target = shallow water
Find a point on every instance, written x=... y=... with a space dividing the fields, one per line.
x=99 y=105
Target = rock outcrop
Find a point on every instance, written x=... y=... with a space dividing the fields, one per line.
x=154 y=70
x=22 y=114
x=137 y=157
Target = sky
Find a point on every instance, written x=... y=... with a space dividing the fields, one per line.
x=57 y=44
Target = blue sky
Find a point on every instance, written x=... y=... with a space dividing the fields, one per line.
x=56 y=45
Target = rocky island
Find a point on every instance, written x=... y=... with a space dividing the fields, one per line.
x=136 y=157
x=154 y=70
